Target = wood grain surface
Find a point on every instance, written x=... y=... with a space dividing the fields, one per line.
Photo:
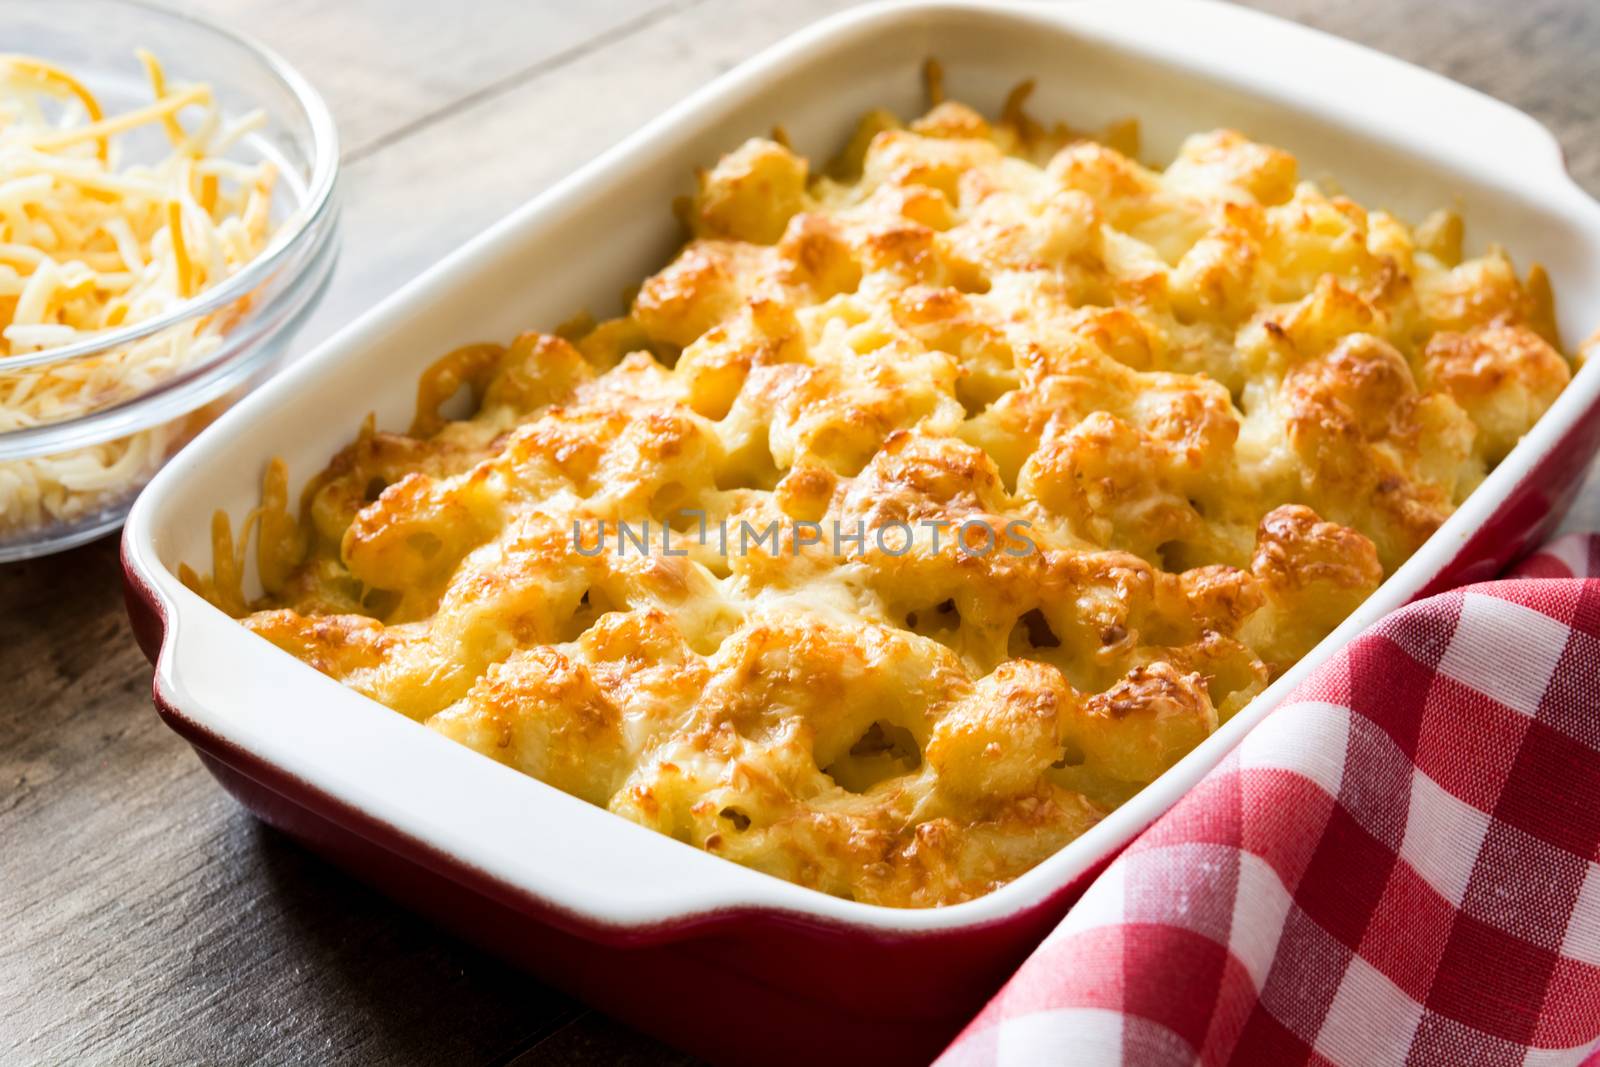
x=146 y=918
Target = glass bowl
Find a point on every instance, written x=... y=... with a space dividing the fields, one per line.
x=73 y=478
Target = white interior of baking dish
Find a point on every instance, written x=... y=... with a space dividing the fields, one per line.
x=1395 y=136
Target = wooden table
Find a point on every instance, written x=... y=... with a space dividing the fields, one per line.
x=146 y=918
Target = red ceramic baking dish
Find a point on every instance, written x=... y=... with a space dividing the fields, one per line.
x=711 y=956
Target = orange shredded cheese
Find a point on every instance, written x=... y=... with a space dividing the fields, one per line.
x=92 y=239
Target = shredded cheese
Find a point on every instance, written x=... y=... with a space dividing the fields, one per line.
x=89 y=245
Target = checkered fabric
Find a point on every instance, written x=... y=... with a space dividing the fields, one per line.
x=1397 y=865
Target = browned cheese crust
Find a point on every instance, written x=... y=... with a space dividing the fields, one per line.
x=1223 y=402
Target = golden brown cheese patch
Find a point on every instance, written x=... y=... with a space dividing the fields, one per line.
x=1197 y=413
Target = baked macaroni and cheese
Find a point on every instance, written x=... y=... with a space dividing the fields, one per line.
x=924 y=507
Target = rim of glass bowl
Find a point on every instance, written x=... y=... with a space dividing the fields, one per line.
x=290 y=235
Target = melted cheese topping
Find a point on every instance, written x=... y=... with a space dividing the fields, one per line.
x=1201 y=411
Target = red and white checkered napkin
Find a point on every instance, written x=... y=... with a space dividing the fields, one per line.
x=1397 y=865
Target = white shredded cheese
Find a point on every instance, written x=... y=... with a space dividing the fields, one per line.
x=88 y=245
